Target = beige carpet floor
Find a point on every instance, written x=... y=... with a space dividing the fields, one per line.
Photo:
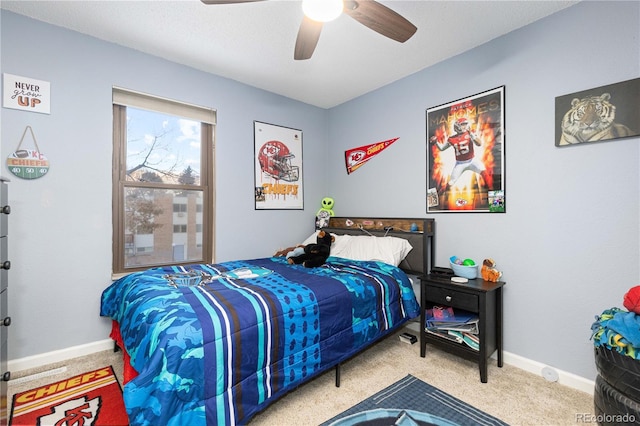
x=511 y=394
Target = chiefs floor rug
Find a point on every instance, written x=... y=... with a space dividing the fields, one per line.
x=93 y=398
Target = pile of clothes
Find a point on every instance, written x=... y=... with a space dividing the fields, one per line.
x=618 y=329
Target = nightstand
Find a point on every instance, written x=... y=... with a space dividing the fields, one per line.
x=483 y=298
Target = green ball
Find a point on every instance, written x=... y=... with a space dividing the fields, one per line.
x=468 y=262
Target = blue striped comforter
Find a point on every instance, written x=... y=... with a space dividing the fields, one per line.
x=218 y=353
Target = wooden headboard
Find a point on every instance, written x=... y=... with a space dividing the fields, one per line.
x=420 y=233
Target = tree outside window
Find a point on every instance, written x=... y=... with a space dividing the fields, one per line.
x=163 y=177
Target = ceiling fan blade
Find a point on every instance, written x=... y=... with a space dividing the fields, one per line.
x=228 y=1
x=308 y=36
x=380 y=18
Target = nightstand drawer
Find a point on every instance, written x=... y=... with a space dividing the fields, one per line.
x=4 y=263
x=4 y=210
x=453 y=298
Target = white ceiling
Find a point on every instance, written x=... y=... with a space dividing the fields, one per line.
x=253 y=42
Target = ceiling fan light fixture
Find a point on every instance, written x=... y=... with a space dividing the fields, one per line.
x=322 y=10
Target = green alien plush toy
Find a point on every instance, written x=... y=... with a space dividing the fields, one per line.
x=325 y=212
x=327 y=206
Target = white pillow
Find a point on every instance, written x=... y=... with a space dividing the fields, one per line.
x=391 y=250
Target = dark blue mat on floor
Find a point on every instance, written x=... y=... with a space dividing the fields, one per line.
x=411 y=401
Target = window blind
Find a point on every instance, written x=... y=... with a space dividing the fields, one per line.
x=140 y=100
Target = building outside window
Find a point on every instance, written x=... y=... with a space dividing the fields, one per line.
x=162 y=182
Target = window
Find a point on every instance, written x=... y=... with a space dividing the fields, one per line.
x=162 y=182
x=180 y=229
x=179 y=208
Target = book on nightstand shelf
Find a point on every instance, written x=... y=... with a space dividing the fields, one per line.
x=455 y=325
x=449 y=319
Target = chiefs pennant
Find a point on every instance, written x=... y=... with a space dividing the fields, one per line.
x=356 y=157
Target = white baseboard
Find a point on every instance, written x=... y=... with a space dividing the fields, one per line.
x=59 y=355
x=564 y=378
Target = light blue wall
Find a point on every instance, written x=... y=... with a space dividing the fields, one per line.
x=60 y=225
x=569 y=244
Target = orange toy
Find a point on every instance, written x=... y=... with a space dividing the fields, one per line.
x=489 y=271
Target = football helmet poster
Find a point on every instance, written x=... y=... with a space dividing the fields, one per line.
x=278 y=167
x=465 y=155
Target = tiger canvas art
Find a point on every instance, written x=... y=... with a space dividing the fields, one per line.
x=591 y=117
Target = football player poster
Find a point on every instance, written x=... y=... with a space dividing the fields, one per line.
x=278 y=167
x=465 y=154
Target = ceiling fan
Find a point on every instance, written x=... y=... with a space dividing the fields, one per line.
x=369 y=13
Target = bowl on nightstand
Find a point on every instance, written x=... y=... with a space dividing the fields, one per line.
x=469 y=272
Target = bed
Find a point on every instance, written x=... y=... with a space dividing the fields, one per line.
x=212 y=344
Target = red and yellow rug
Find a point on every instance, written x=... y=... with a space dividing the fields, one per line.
x=93 y=398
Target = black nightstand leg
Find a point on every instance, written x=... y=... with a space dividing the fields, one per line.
x=423 y=320
x=483 y=335
x=499 y=325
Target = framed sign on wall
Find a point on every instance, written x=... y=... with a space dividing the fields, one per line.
x=465 y=154
x=25 y=93
x=277 y=167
